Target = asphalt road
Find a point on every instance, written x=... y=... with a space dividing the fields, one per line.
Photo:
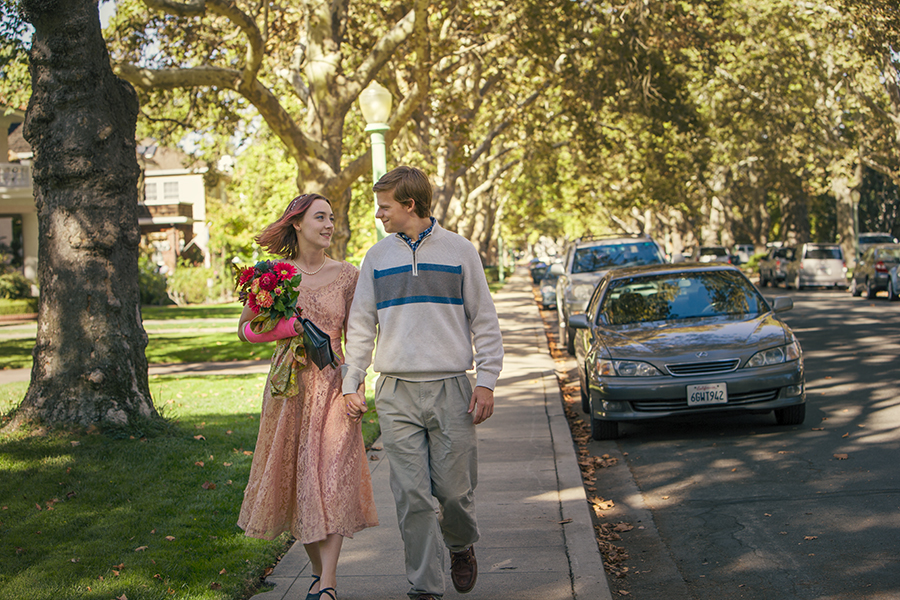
x=738 y=507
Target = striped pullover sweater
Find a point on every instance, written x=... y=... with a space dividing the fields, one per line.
x=429 y=306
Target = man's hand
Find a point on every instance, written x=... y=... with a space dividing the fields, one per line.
x=482 y=404
x=356 y=403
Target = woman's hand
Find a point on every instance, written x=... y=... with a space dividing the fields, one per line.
x=356 y=404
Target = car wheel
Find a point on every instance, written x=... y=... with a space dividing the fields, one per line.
x=854 y=289
x=792 y=415
x=570 y=341
x=603 y=430
x=797 y=285
x=892 y=292
x=870 y=290
x=585 y=399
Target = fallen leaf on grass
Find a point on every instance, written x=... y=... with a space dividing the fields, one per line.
x=170 y=538
x=222 y=572
x=199 y=437
x=122 y=597
x=227 y=464
x=208 y=485
x=215 y=586
x=199 y=463
x=141 y=548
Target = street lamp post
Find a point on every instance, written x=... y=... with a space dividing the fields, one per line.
x=375 y=102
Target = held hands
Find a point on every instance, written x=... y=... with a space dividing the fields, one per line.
x=356 y=403
x=482 y=404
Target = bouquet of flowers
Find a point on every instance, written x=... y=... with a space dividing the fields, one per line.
x=268 y=288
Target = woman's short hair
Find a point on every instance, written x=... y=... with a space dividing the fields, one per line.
x=280 y=237
x=410 y=186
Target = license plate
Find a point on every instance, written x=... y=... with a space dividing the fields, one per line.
x=707 y=393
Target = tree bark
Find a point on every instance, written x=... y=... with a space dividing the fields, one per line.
x=89 y=363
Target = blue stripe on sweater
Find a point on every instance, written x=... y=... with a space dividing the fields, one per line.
x=379 y=273
x=419 y=300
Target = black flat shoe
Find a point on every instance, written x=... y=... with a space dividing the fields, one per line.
x=330 y=591
x=310 y=595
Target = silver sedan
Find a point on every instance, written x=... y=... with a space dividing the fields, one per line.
x=668 y=340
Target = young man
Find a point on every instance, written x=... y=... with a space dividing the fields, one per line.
x=423 y=291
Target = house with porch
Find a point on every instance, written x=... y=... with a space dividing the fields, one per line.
x=171 y=207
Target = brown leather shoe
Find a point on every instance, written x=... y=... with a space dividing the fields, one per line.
x=463 y=570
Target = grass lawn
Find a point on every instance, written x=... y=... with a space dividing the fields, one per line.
x=83 y=516
x=176 y=334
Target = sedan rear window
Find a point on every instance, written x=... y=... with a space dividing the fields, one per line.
x=599 y=258
x=889 y=254
x=824 y=253
x=680 y=296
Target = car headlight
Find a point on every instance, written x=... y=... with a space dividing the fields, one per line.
x=582 y=292
x=625 y=368
x=775 y=356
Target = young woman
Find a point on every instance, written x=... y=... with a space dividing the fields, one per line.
x=309 y=474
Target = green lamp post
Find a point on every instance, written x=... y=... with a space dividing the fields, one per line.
x=375 y=103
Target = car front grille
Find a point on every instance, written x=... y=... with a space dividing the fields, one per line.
x=703 y=368
x=681 y=403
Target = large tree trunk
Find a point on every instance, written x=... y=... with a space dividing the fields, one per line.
x=89 y=363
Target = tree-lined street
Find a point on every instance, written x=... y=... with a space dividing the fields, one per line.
x=737 y=507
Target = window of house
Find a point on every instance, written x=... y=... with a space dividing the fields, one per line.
x=170 y=191
x=149 y=192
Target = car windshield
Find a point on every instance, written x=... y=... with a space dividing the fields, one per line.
x=598 y=258
x=679 y=296
x=713 y=252
x=875 y=239
x=824 y=253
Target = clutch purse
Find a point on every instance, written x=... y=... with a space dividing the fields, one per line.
x=318 y=345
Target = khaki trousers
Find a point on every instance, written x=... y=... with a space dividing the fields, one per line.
x=430 y=442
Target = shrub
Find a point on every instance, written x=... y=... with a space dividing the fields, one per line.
x=152 y=283
x=14 y=286
x=189 y=285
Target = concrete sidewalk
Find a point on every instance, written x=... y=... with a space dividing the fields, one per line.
x=537 y=540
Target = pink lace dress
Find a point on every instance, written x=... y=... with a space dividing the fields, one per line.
x=309 y=473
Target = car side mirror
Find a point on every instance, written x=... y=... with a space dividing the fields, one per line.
x=782 y=303
x=557 y=269
x=579 y=321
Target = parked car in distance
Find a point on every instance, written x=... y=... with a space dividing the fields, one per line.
x=547 y=287
x=870 y=238
x=772 y=267
x=537 y=267
x=688 y=339
x=743 y=252
x=819 y=265
x=876 y=270
x=586 y=261
x=707 y=254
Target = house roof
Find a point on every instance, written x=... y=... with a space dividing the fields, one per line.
x=17 y=143
x=151 y=156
